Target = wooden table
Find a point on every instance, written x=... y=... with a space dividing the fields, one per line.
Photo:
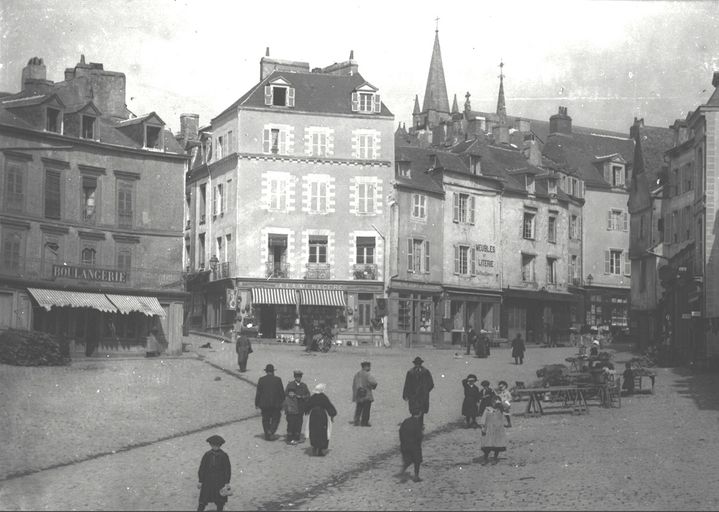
x=570 y=396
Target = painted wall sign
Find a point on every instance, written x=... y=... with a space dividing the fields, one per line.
x=90 y=274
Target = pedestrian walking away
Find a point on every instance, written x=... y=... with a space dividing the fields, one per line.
x=363 y=386
x=471 y=340
x=410 y=444
x=518 y=349
x=471 y=400
x=494 y=436
x=506 y=397
x=486 y=396
x=320 y=415
x=243 y=347
x=269 y=398
x=418 y=384
x=214 y=475
x=297 y=393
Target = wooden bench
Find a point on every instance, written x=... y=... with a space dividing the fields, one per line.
x=568 y=396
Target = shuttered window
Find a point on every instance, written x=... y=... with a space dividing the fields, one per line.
x=124 y=204
x=52 y=194
x=14 y=187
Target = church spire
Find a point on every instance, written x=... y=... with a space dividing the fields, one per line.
x=501 y=105
x=455 y=107
x=416 y=105
x=435 y=94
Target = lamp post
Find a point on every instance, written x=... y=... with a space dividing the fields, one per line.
x=213 y=265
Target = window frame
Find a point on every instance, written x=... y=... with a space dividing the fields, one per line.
x=13 y=259
x=48 y=211
x=528 y=273
x=18 y=169
x=532 y=225
x=317 y=249
x=125 y=215
x=366 y=197
x=58 y=120
x=419 y=206
x=362 y=252
x=93 y=126
x=552 y=228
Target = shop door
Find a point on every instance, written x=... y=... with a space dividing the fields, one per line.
x=364 y=312
x=268 y=321
x=517 y=322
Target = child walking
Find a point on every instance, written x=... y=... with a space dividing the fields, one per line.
x=471 y=400
x=494 y=437
x=506 y=396
x=214 y=475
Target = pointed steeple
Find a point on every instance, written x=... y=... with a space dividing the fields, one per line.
x=455 y=107
x=501 y=105
x=435 y=94
x=416 y=105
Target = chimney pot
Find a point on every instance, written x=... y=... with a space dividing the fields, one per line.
x=715 y=79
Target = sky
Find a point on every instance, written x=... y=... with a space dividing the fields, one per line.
x=607 y=61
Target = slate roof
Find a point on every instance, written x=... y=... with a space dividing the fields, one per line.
x=420 y=162
x=652 y=142
x=314 y=92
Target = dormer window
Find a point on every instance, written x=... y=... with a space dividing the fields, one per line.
x=529 y=184
x=279 y=93
x=152 y=137
x=87 y=130
x=617 y=176
x=404 y=170
x=54 y=120
x=366 y=100
x=552 y=186
x=475 y=166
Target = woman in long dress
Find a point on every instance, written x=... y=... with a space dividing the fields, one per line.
x=494 y=437
x=321 y=414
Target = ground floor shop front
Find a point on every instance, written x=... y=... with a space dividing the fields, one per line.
x=539 y=317
x=95 y=322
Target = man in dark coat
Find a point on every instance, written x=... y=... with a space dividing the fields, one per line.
x=294 y=420
x=518 y=349
x=410 y=444
x=417 y=385
x=269 y=398
x=213 y=475
x=243 y=347
x=471 y=340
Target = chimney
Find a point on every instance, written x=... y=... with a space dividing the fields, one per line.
x=560 y=122
x=189 y=127
x=348 y=67
x=532 y=152
x=268 y=65
x=34 y=72
x=715 y=79
x=500 y=133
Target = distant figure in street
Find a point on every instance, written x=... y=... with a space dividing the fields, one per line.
x=494 y=437
x=486 y=396
x=297 y=393
x=214 y=475
x=518 y=349
x=417 y=385
x=243 y=347
x=269 y=398
x=471 y=399
x=506 y=396
x=152 y=345
x=471 y=340
x=321 y=415
x=410 y=443
x=362 y=386
x=594 y=351
x=482 y=346
x=628 y=378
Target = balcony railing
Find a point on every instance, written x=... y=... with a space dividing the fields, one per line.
x=364 y=271
x=221 y=271
x=35 y=269
x=276 y=270
x=318 y=271
x=577 y=281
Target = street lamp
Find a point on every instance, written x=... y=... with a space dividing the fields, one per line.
x=213 y=262
x=590 y=278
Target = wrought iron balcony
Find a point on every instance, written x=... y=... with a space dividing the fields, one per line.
x=577 y=281
x=364 y=271
x=276 y=270
x=221 y=271
x=318 y=271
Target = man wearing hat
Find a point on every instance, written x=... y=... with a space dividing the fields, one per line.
x=417 y=385
x=269 y=398
x=243 y=347
x=214 y=475
x=299 y=391
x=362 y=386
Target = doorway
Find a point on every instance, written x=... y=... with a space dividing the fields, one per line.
x=268 y=321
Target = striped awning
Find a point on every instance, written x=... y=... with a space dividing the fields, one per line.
x=49 y=298
x=131 y=303
x=273 y=296
x=323 y=298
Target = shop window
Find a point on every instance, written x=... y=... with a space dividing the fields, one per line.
x=404 y=313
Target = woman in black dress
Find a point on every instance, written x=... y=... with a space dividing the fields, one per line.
x=321 y=415
x=471 y=400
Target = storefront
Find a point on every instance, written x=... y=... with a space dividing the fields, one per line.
x=541 y=317
x=464 y=309
x=413 y=313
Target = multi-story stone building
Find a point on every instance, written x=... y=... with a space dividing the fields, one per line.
x=288 y=204
x=90 y=220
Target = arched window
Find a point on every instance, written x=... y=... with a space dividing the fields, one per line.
x=88 y=257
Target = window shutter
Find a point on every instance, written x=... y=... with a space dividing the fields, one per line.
x=266 y=140
x=426 y=255
x=471 y=209
x=283 y=142
x=52 y=194
x=607 y=266
x=214 y=202
x=355 y=102
x=609 y=220
x=376 y=104
x=627 y=264
x=290 y=96
x=455 y=198
x=472 y=261
x=268 y=95
x=608 y=174
x=625 y=220
x=410 y=255
x=456 y=259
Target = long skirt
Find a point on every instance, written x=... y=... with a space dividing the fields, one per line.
x=318 y=428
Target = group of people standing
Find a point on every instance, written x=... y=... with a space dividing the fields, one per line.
x=492 y=407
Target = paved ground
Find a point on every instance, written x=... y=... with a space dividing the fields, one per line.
x=656 y=452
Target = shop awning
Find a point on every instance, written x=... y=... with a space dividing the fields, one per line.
x=49 y=298
x=273 y=296
x=323 y=298
x=149 y=306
